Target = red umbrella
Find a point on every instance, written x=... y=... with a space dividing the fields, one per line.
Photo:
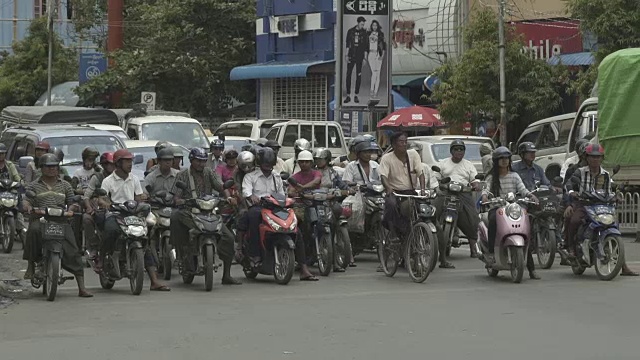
x=411 y=117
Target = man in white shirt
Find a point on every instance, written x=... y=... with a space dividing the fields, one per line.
x=122 y=186
x=291 y=165
x=363 y=170
x=463 y=171
x=81 y=177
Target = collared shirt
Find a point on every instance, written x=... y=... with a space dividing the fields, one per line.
x=586 y=182
x=256 y=183
x=159 y=182
x=211 y=182
x=510 y=183
x=57 y=195
x=213 y=162
x=463 y=172
x=354 y=173
x=291 y=166
x=397 y=173
x=530 y=175
x=94 y=183
x=567 y=164
x=120 y=190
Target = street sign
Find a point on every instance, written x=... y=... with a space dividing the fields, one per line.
x=148 y=98
x=91 y=65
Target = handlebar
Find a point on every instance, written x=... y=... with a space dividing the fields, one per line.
x=414 y=196
x=45 y=212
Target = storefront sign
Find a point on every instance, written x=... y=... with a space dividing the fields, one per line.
x=545 y=39
x=405 y=34
x=285 y=26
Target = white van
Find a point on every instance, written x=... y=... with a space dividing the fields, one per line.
x=176 y=129
x=327 y=134
x=550 y=136
x=247 y=128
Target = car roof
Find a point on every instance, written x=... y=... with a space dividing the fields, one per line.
x=448 y=138
x=306 y=122
x=107 y=127
x=248 y=120
x=161 y=119
x=60 y=130
x=445 y=142
x=554 y=118
x=144 y=143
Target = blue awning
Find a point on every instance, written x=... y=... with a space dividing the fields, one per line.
x=575 y=59
x=274 y=69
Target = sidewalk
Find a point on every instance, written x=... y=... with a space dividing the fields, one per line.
x=12 y=286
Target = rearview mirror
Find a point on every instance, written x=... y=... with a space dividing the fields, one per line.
x=479 y=177
x=512 y=147
x=435 y=168
x=616 y=169
x=100 y=192
x=292 y=181
x=24 y=161
x=284 y=175
x=181 y=185
x=229 y=184
x=30 y=194
x=138 y=159
x=149 y=189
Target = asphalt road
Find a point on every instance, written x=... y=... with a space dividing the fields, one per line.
x=361 y=314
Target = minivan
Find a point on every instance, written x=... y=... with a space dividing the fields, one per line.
x=247 y=128
x=326 y=134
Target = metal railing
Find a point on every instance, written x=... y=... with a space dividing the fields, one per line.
x=628 y=213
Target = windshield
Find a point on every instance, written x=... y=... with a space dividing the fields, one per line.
x=120 y=133
x=189 y=135
x=441 y=151
x=72 y=146
x=149 y=152
x=235 y=144
x=235 y=129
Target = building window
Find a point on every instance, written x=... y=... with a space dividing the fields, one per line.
x=300 y=98
x=39 y=8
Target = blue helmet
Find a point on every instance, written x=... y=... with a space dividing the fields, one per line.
x=198 y=154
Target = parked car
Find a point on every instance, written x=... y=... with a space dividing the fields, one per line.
x=233 y=142
x=71 y=139
x=247 y=128
x=33 y=115
x=176 y=129
x=327 y=134
x=550 y=137
x=433 y=151
x=117 y=130
x=146 y=149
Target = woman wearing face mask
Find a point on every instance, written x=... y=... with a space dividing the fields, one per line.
x=229 y=167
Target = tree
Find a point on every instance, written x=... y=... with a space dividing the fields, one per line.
x=470 y=85
x=184 y=51
x=23 y=74
x=616 y=24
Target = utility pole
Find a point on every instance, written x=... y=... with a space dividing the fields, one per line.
x=50 y=10
x=115 y=35
x=503 y=91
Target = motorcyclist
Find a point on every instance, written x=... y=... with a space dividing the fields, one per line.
x=487 y=161
x=215 y=158
x=122 y=186
x=80 y=179
x=8 y=171
x=164 y=176
x=246 y=165
x=152 y=163
x=362 y=170
x=91 y=205
x=463 y=171
x=574 y=159
x=42 y=147
x=291 y=165
x=228 y=168
x=330 y=177
x=50 y=190
x=178 y=157
x=63 y=173
x=582 y=162
x=201 y=180
x=263 y=182
x=529 y=172
x=344 y=160
x=280 y=164
x=501 y=182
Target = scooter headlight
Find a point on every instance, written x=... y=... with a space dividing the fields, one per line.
x=273 y=224
x=165 y=222
x=9 y=202
x=605 y=219
x=455 y=187
x=514 y=211
x=378 y=188
x=207 y=205
x=135 y=230
x=427 y=210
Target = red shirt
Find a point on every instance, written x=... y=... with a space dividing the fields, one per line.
x=304 y=178
x=225 y=172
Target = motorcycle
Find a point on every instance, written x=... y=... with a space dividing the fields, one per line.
x=126 y=260
x=598 y=240
x=512 y=236
x=54 y=224
x=160 y=234
x=373 y=198
x=198 y=256
x=9 y=200
x=277 y=233
x=544 y=219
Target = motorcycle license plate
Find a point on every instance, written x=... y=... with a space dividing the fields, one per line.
x=133 y=220
x=54 y=231
x=321 y=212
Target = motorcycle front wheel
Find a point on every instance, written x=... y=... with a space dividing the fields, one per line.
x=546 y=248
x=342 y=249
x=324 y=251
x=208 y=267
x=283 y=265
x=517 y=263
x=610 y=266
x=9 y=229
x=136 y=265
x=53 y=276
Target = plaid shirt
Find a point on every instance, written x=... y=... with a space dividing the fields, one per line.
x=583 y=181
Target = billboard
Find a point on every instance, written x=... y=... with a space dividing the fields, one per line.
x=365 y=46
x=91 y=65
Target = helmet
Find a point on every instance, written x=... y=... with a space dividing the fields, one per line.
x=43 y=145
x=302 y=144
x=365 y=146
x=49 y=160
x=527 y=146
x=246 y=161
x=322 y=153
x=594 y=150
x=106 y=158
x=161 y=145
x=165 y=154
x=3 y=148
x=177 y=151
x=273 y=144
x=58 y=153
x=230 y=154
x=122 y=154
x=217 y=144
x=485 y=149
x=579 y=144
x=261 y=142
x=355 y=141
x=198 y=154
x=89 y=152
x=267 y=157
x=501 y=152
x=305 y=155
x=457 y=142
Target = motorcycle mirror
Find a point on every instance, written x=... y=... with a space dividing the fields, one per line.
x=181 y=185
x=537 y=184
x=445 y=180
x=138 y=159
x=228 y=184
x=284 y=175
x=479 y=177
x=100 y=192
x=292 y=181
x=149 y=189
x=616 y=169
x=30 y=194
x=24 y=161
x=435 y=168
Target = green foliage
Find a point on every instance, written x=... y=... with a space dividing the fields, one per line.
x=23 y=74
x=184 y=51
x=470 y=85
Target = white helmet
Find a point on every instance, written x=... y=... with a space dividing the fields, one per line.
x=302 y=144
x=305 y=155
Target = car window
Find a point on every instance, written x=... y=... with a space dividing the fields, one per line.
x=234 y=129
x=547 y=138
x=20 y=149
x=265 y=128
x=189 y=135
x=273 y=133
x=564 y=130
x=290 y=135
x=320 y=136
x=442 y=151
x=72 y=146
x=7 y=138
x=305 y=132
x=334 y=138
x=531 y=136
x=132 y=133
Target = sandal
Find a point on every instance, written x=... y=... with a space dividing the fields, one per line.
x=338 y=270
x=353 y=264
x=309 y=278
x=85 y=294
x=161 y=288
x=447 y=265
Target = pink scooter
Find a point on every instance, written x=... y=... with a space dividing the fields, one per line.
x=512 y=236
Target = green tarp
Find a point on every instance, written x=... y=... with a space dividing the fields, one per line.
x=619 y=107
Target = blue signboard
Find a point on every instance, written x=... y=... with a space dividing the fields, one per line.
x=91 y=65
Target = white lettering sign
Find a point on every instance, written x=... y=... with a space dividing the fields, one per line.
x=542 y=51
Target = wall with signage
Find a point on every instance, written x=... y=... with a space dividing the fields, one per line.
x=544 y=39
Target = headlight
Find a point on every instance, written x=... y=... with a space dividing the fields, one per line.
x=426 y=209
x=378 y=188
x=151 y=219
x=605 y=219
x=448 y=218
x=135 y=230
x=455 y=187
x=166 y=222
x=8 y=202
x=54 y=212
x=514 y=211
x=207 y=205
x=273 y=224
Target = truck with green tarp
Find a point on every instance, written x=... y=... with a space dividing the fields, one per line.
x=613 y=118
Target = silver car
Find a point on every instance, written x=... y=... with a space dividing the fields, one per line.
x=434 y=150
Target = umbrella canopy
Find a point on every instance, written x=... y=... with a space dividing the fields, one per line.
x=412 y=117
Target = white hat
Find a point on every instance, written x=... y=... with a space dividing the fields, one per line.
x=305 y=155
